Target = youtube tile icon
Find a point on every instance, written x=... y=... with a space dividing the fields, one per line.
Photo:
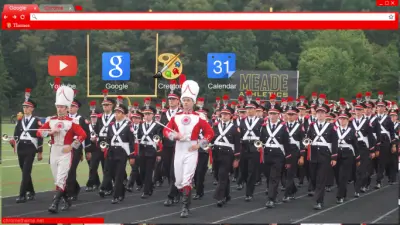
x=62 y=65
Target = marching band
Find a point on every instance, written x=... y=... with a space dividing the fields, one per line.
x=286 y=141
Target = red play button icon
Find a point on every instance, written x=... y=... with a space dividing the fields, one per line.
x=62 y=65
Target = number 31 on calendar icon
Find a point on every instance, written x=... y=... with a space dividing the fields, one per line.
x=221 y=65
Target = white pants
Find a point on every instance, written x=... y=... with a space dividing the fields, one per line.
x=60 y=163
x=185 y=163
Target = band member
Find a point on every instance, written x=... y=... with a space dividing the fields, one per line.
x=62 y=130
x=93 y=182
x=204 y=156
x=185 y=128
x=348 y=153
x=296 y=134
x=120 y=141
x=27 y=144
x=250 y=156
x=158 y=176
x=98 y=155
x=303 y=170
x=73 y=187
x=136 y=118
x=387 y=140
x=376 y=130
x=148 y=132
x=169 y=146
x=277 y=151
x=323 y=154
x=227 y=143
x=394 y=156
x=366 y=147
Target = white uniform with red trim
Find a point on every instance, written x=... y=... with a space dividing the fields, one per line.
x=185 y=161
x=188 y=124
x=60 y=161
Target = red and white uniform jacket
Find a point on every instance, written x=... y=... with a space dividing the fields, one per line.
x=189 y=125
x=68 y=130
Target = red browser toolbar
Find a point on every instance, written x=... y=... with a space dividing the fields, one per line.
x=16 y=16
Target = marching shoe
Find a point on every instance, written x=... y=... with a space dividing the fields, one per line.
x=340 y=200
x=129 y=189
x=220 y=203
x=56 y=201
x=67 y=203
x=239 y=187
x=30 y=196
x=21 y=199
x=108 y=193
x=310 y=193
x=115 y=201
x=328 y=189
x=168 y=202
x=248 y=198
x=215 y=182
x=318 y=206
x=356 y=195
x=198 y=197
x=363 y=189
x=178 y=198
x=270 y=204
x=139 y=187
x=144 y=196
x=102 y=193
x=186 y=200
x=266 y=191
x=286 y=199
x=89 y=189
x=378 y=186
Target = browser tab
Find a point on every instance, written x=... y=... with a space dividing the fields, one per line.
x=56 y=8
x=20 y=8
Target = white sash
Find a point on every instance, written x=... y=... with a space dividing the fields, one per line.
x=146 y=140
x=341 y=140
x=272 y=138
x=319 y=136
x=359 y=133
x=222 y=136
x=103 y=131
x=124 y=145
x=395 y=128
x=250 y=130
x=25 y=133
x=292 y=141
x=383 y=129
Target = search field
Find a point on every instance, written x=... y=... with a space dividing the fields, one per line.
x=213 y=16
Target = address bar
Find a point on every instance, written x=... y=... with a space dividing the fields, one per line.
x=213 y=16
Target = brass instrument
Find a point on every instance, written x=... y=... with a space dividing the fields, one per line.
x=49 y=143
x=93 y=134
x=258 y=144
x=156 y=139
x=307 y=141
x=8 y=138
x=104 y=144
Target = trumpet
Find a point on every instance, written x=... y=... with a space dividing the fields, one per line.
x=8 y=138
x=156 y=139
x=307 y=141
x=93 y=134
x=258 y=144
x=103 y=144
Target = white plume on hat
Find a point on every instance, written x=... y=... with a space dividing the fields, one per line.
x=64 y=96
x=190 y=89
